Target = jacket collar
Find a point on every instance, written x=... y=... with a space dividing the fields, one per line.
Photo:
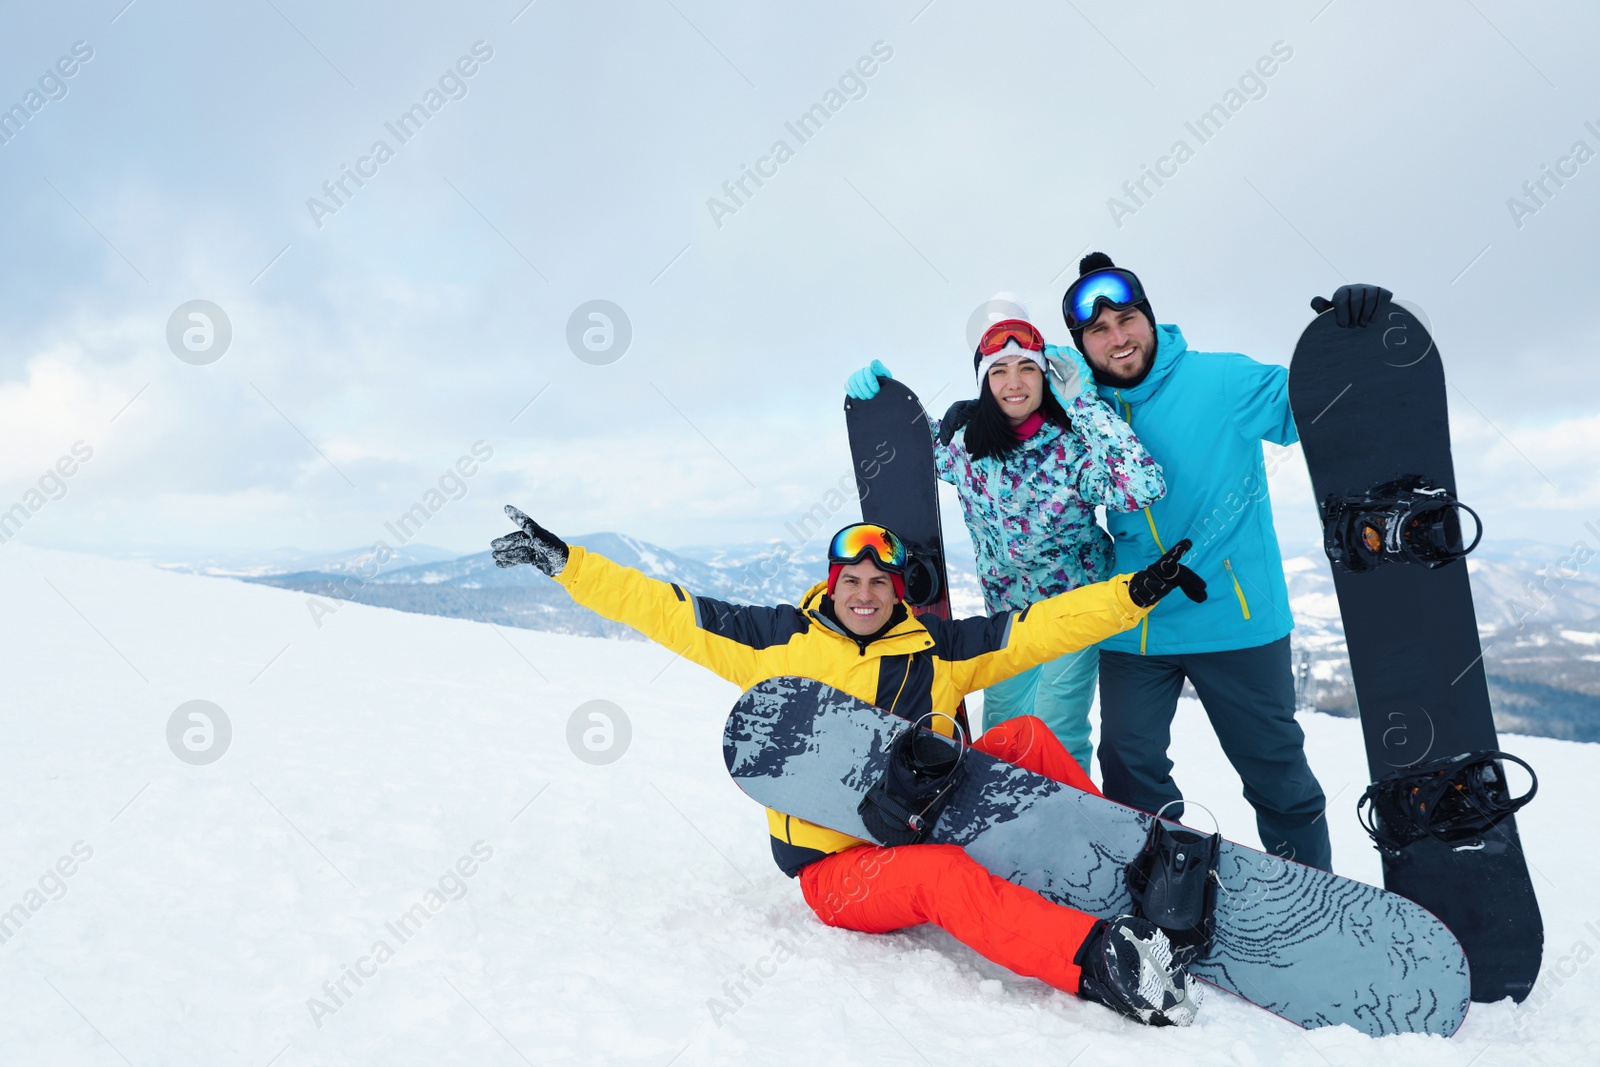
x=909 y=636
x=1030 y=426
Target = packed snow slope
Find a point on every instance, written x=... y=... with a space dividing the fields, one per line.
x=401 y=859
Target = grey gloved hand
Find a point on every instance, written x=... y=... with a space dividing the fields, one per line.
x=1164 y=575
x=532 y=544
x=1353 y=305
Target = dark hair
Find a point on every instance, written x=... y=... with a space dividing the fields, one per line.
x=990 y=433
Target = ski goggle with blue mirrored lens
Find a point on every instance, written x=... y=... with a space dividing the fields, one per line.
x=1112 y=287
x=854 y=543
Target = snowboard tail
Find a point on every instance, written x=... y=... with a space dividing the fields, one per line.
x=899 y=486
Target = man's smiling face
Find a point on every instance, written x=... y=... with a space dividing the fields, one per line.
x=863 y=598
x=1120 y=344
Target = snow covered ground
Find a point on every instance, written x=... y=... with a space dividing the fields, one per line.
x=402 y=859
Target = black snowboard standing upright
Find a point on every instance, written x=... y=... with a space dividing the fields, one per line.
x=892 y=452
x=1369 y=403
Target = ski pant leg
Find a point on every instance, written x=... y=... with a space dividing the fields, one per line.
x=1248 y=694
x=1066 y=689
x=1031 y=745
x=1010 y=698
x=1138 y=698
x=876 y=890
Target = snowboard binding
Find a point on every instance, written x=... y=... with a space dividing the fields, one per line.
x=1173 y=881
x=1456 y=800
x=922 y=772
x=1403 y=521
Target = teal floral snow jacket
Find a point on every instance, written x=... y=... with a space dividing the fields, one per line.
x=1031 y=514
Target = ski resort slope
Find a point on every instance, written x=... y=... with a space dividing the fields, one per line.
x=401 y=859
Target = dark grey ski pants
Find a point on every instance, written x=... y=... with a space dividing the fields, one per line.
x=1248 y=694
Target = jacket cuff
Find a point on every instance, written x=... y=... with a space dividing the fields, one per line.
x=1119 y=585
x=570 y=573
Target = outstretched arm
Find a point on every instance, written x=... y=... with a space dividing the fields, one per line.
x=724 y=638
x=1000 y=646
x=985 y=651
x=1258 y=400
x=1258 y=393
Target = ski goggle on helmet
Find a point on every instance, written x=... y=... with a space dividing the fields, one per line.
x=1110 y=287
x=856 y=542
x=1007 y=331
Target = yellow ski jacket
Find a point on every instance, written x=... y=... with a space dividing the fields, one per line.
x=919 y=666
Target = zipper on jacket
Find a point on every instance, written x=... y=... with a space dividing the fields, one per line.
x=1127 y=416
x=1238 y=590
x=903 y=681
x=1144 y=626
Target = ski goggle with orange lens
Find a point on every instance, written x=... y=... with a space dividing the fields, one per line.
x=1007 y=331
x=1112 y=287
x=854 y=543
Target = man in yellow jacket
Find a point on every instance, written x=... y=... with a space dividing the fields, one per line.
x=856 y=634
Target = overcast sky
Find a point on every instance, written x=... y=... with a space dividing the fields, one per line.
x=567 y=152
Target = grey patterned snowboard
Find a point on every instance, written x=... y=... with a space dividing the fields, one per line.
x=1312 y=947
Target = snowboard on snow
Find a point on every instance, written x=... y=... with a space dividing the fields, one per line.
x=892 y=453
x=1369 y=403
x=1312 y=947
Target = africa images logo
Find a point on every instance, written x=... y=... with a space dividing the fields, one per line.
x=52 y=86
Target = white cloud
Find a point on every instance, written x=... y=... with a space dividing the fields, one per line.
x=433 y=306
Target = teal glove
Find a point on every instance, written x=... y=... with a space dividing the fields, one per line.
x=1070 y=376
x=863 y=384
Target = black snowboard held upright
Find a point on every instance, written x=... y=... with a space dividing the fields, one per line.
x=892 y=452
x=1369 y=403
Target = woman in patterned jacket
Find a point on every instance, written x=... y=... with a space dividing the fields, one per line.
x=1031 y=458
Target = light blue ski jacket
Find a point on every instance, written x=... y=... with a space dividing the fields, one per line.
x=1203 y=416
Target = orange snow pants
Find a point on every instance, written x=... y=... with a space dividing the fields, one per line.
x=875 y=890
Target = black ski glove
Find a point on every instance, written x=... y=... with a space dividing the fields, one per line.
x=531 y=544
x=959 y=415
x=1147 y=587
x=1353 y=305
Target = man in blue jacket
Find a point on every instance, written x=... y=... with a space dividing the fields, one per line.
x=1202 y=416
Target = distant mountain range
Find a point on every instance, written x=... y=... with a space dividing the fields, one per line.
x=1540 y=627
x=293 y=560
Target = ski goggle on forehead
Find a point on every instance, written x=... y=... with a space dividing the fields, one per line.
x=1112 y=287
x=854 y=543
x=1005 y=332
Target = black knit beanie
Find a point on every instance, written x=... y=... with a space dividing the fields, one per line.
x=1100 y=261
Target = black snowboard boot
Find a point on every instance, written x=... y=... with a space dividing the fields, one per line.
x=1127 y=966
